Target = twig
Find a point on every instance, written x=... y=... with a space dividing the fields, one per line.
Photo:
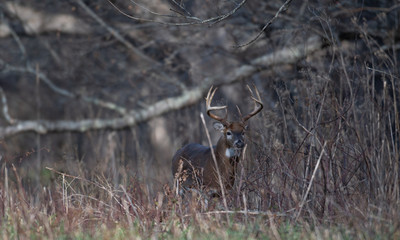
x=382 y=71
x=246 y=212
x=182 y=8
x=133 y=207
x=273 y=225
x=195 y=20
x=70 y=176
x=6 y=192
x=66 y=185
x=223 y=17
x=115 y=33
x=156 y=13
x=78 y=178
x=216 y=164
x=17 y=40
x=249 y=212
x=311 y=181
x=120 y=38
x=6 y=115
x=281 y=9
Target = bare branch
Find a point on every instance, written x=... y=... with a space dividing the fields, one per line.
x=225 y=16
x=311 y=182
x=187 y=98
x=215 y=164
x=128 y=45
x=281 y=9
x=150 y=11
x=115 y=33
x=282 y=56
x=135 y=117
x=5 y=107
x=190 y=20
x=61 y=91
x=17 y=39
x=180 y=6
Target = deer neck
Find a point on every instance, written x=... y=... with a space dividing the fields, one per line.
x=227 y=161
x=225 y=153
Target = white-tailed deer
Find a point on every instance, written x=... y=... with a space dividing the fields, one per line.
x=193 y=165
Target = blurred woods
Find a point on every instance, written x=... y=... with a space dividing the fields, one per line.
x=110 y=90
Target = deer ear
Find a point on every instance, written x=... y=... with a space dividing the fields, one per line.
x=219 y=126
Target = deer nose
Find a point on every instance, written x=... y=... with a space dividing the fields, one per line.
x=239 y=144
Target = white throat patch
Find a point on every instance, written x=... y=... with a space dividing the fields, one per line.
x=231 y=152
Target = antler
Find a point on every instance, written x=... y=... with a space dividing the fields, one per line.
x=257 y=104
x=209 y=98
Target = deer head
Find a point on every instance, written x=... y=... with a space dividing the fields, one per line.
x=232 y=132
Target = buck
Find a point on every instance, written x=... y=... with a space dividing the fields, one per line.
x=193 y=165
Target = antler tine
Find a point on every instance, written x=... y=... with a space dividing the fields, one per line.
x=257 y=104
x=210 y=96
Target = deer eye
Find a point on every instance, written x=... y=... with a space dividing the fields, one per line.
x=242 y=133
x=228 y=133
